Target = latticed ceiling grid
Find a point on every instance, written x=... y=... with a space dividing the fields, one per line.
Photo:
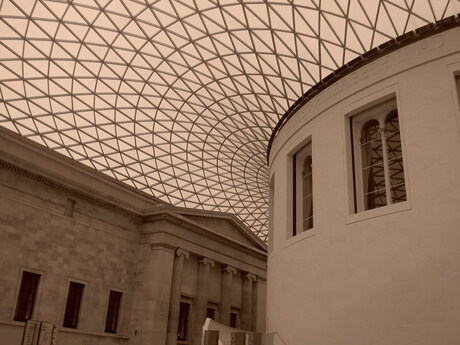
x=179 y=98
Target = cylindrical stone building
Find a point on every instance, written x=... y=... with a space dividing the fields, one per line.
x=365 y=200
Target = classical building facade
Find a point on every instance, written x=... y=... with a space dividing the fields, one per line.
x=364 y=243
x=108 y=264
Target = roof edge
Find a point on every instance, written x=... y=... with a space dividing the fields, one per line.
x=75 y=177
x=360 y=61
x=183 y=212
x=174 y=217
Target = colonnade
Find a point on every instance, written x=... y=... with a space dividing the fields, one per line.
x=247 y=313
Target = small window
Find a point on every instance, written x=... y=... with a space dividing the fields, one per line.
x=378 y=160
x=233 y=320
x=211 y=313
x=458 y=85
x=27 y=294
x=182 y=328
x=69 y=208
x=72 y=308
x=303 y=190
x=112 y=311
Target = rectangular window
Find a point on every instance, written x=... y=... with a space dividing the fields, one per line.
x=113 y=311
x=72 y=308
x=303 y=190
x=233 y=320
x=211 y=313
x=457 y=79
x=458 y=85
x=69 y=208
x=182 y=327
x=378 y=160
x=27 y=294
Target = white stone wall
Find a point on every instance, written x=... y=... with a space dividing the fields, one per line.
x=384 y=276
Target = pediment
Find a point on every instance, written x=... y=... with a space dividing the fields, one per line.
x=225 y=225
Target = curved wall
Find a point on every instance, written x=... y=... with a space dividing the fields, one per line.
x=389 y=275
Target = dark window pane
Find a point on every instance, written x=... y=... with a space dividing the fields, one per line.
x=307 y=176
x=375 y=199
x=211 y=313
x=373 y=169
x=233 y=320
x=395 y=161
x=72 y=308
x=112 y=311
x=183 y=321
x=26 y=298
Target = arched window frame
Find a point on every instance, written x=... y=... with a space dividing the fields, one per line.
x=379 y=113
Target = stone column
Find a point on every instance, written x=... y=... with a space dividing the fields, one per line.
x=246 y=302
x=204 y=265
x=152 y=292
x=255 y=304
x=226 y=294
x=174 y=301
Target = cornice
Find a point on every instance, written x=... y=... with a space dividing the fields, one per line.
x=71 y=192
x=30 y=160
x=29 y=155
x=163 y=245
x=164 y=213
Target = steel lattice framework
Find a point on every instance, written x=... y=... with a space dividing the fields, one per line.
x=178 y=98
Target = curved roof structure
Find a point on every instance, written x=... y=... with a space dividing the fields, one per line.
x=178 y=98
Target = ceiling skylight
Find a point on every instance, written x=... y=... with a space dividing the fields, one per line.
x=179 y=98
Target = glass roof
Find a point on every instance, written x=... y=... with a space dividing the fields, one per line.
x=178 y=98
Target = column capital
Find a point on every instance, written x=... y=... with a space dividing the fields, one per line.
x=229 y=269
x=250 y=276
x=207 y=262
x=182 y=252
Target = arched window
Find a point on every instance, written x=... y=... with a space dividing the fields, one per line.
x=307 y=184
x=303 y=189
x=378 y=159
